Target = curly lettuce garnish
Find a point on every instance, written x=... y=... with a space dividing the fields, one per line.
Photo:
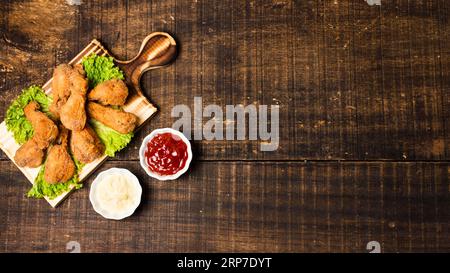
x=113 y=140
x=99 y=69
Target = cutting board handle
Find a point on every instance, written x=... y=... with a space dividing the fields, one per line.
x=157 y=50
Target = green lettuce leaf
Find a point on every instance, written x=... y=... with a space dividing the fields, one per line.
x=42 y=189
x=113 y=140
x=15 y=119
x=99 y=69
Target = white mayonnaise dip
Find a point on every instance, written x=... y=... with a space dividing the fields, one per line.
x=115 y=193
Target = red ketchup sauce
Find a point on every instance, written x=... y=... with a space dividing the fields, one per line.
x=166 y=154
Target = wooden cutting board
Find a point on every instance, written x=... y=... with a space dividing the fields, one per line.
x=158 y=49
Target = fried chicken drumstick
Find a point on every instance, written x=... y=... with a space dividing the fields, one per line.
x=119 y=120
x=86 y=146
x=111 y=92
x=45 y=130
x=59 y=166
x=69 y=87
x=29 y=155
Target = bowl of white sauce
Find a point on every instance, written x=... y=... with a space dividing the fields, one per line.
x=115 y=193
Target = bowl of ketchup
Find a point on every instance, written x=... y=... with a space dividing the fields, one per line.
x=165 y=154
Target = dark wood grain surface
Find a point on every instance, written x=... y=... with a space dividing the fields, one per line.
x=364 y=96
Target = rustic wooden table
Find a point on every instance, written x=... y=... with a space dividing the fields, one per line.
x=364 y=96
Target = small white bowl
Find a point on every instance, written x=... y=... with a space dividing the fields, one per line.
x=144 y=147
x=108 y=214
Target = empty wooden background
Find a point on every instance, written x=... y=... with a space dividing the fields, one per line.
x=364 y=125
